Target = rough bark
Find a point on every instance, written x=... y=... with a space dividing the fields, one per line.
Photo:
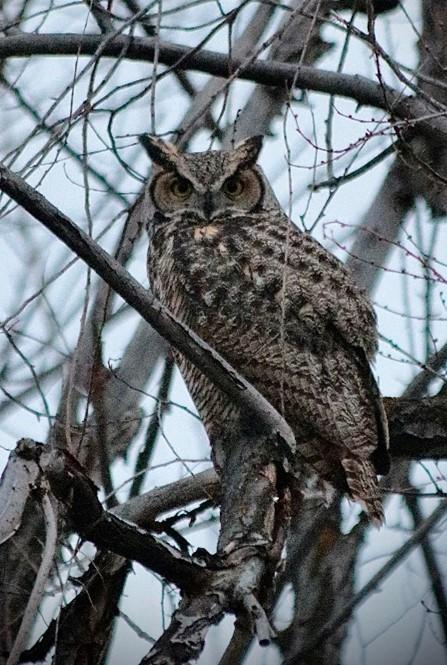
x=253 y=530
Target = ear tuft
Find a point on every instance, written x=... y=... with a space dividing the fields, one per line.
x=248 y=150
x=161 y=152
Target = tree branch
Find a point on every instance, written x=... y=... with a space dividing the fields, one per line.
x=76 y=491
x=356 y=87
x=145 y=508
x=252 y=533
x=418 y=427
x=379 y=577
x=434 y=572
x=205 y=358
x=380 y=227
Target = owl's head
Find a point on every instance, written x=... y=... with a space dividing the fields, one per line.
x=209 y=184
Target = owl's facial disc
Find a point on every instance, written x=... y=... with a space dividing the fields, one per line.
x=240 y=193
x=211 y=184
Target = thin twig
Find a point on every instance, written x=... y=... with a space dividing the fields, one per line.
x=351 y=175
x=142 y=462
x=14 y=90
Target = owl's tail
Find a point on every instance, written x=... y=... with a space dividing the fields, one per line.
x=363 y=487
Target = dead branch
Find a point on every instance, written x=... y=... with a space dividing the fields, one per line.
x=144 y=508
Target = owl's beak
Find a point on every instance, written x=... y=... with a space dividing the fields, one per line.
x=208 y=205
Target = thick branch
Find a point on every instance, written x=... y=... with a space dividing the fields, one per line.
x=362 y=90
x=217 y=369
x=251 y=540
x=418 y=427
x=79 y=495
x=145 y=507
x=395 y=560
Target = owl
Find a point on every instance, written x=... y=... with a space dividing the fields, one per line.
x=284 y=312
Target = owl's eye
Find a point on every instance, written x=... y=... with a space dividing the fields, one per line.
x=181 y=188
x=233 y=187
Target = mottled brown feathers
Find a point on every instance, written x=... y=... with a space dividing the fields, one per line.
x=281 y=309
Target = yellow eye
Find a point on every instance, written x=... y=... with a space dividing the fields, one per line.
x=233 y=187
x=181 y=188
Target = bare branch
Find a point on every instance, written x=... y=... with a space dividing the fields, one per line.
x=78 y=494
x=356 y=87
x=148 y=307
x=47 y=127
x=101 y=585
x=418 y=170
x=431 y=565
x=241 y=49
x=421 y=382
x=102 y=16
x=380 y=227
x=144 y=508
x=83 y=626
x=300 y=44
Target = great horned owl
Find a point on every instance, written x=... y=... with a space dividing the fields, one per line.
x=228 y=262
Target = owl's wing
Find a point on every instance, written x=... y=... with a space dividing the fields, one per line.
x=322 y=295
x=320 y=286
x=380 y=456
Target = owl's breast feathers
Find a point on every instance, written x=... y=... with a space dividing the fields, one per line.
x=245 y=261
x=288 y=316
